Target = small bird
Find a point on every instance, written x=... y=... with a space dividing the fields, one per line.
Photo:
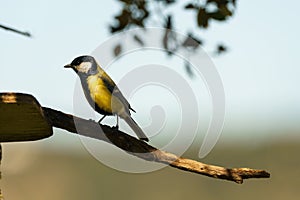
x=102 y=93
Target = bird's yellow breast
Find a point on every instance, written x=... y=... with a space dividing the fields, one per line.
x=99 y=93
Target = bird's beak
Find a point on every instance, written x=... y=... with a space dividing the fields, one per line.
x=68 y=66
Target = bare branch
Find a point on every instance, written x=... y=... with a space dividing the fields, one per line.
x=144 y=151
x=27 y=34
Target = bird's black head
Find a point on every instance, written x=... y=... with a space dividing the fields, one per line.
x=83 y=65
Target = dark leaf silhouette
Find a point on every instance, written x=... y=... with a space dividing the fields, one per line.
x=188 y=69
x=122 y=20
x=169 y=22
x=141 y=13
x=167 y=1
x=134 y=13
x=169 y=38
x=221 y=49
x=126 y=1
x=190 y=6
x=138 y=40
x=221 y=13
x=234 y=2
x=191 y=41
x=117 y=50
x=202 y=18
x=165 y=39
x=217 y=16
x=225 y=10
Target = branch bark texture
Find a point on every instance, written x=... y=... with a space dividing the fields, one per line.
x=145 y=151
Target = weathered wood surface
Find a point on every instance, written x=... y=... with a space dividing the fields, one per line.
x=22 y=118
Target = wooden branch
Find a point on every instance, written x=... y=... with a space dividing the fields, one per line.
x=23 y=119
x=144 y=151
x=27 y=34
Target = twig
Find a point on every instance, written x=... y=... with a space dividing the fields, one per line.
x=144 y=151
x=15 y=30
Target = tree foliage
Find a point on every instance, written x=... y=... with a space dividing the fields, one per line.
x=140 y=13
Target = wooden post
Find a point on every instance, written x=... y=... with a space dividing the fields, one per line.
x=22 y=118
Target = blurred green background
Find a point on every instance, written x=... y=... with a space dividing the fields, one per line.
x=260 y=74
x=32 y=171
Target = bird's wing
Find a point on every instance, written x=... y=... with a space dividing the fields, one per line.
x=114 y=90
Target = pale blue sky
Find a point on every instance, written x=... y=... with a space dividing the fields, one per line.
x=260 y=72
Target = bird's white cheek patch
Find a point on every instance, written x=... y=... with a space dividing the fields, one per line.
x=84 y=67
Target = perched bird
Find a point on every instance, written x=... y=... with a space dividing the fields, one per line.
x=102 y=93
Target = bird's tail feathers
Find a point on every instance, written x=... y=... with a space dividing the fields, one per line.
x=135 y=127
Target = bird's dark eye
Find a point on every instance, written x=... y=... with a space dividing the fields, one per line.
x=75 y=62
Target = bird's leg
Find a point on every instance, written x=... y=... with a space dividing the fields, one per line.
x=117 y=126
x=101 y=119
